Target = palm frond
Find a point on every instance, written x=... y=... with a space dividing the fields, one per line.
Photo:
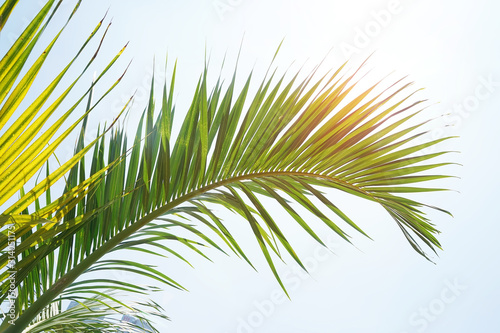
x=284 y=145
x=29 y=138
x=103 y=312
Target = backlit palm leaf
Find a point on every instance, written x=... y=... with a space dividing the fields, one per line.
x=286 y=142
x=29 y=137
x=23 y=147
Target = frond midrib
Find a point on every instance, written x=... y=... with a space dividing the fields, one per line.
x=211 y=186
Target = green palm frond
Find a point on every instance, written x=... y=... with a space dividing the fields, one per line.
x=97 y=304
x=100 y=313
x=23 y=146
x=283 y=145
x=6 y=10
x=29 y=137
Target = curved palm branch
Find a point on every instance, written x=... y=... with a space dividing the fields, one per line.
x=286 y=143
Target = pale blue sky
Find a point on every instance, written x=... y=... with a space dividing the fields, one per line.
x=449 y=47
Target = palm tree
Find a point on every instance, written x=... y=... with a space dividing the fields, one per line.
x=282 y=146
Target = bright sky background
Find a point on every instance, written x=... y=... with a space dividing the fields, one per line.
x=449 y=47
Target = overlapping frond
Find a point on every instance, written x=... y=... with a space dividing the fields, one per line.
x=29 y=137
x=103 y=312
